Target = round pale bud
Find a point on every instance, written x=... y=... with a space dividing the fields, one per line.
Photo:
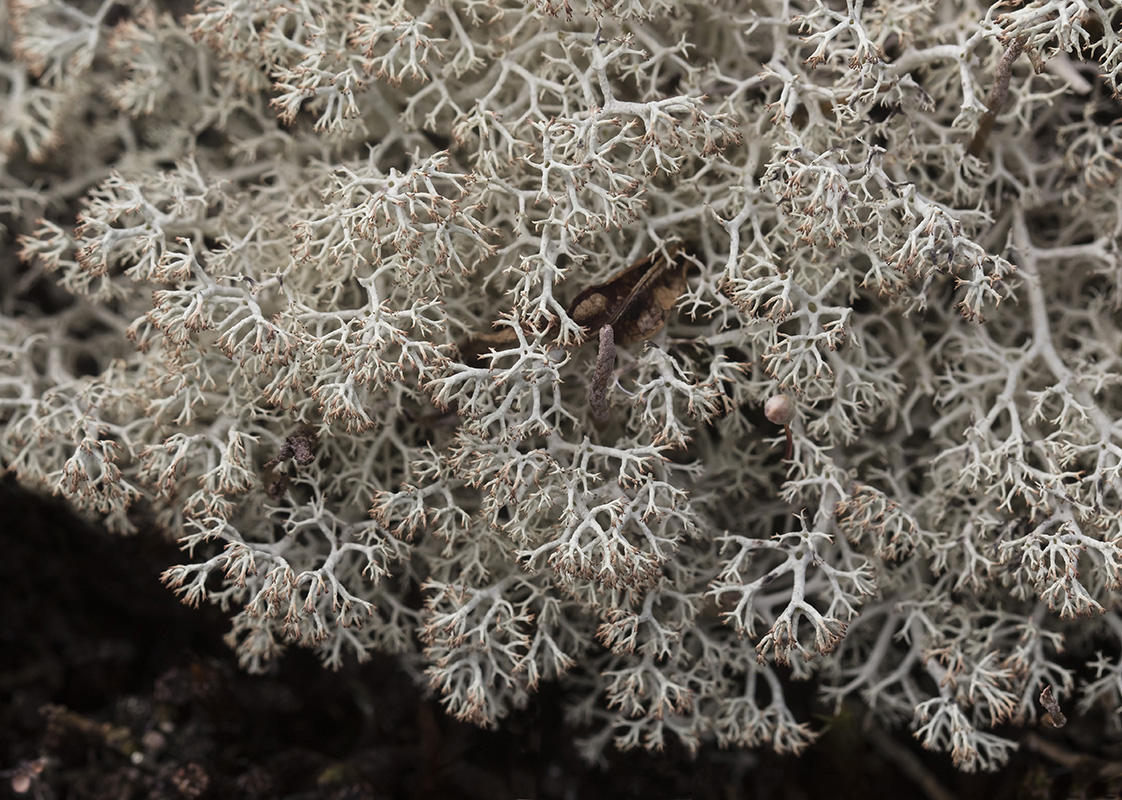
x=780 y=409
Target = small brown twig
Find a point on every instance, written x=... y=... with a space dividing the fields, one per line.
x=998 y=95
x=598 y=388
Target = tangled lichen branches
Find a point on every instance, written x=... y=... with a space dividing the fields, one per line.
x=331 y=321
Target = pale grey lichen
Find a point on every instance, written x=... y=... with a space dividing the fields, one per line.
x=264 y=217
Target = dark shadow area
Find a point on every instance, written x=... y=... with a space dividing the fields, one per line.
x=110 y=688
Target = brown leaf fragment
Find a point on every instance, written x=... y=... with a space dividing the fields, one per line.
x=300 y=447
x=1052 y=707
x=636 y=301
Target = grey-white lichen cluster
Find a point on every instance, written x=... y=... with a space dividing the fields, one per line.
x=308 y=285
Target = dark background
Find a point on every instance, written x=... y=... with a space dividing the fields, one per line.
x=110 y=688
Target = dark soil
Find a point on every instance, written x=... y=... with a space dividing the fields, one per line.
x=109 y=688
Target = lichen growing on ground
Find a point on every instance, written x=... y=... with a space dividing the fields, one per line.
x=317 y=289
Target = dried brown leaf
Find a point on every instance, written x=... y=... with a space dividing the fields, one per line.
x=635 y=302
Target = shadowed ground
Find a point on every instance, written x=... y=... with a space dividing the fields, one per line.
x=110 y=688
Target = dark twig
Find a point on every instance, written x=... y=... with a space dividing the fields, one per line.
x=598 y=388
x=998 y=95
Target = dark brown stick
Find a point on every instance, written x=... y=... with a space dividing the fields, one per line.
x=598 y=388
x=998 y=95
